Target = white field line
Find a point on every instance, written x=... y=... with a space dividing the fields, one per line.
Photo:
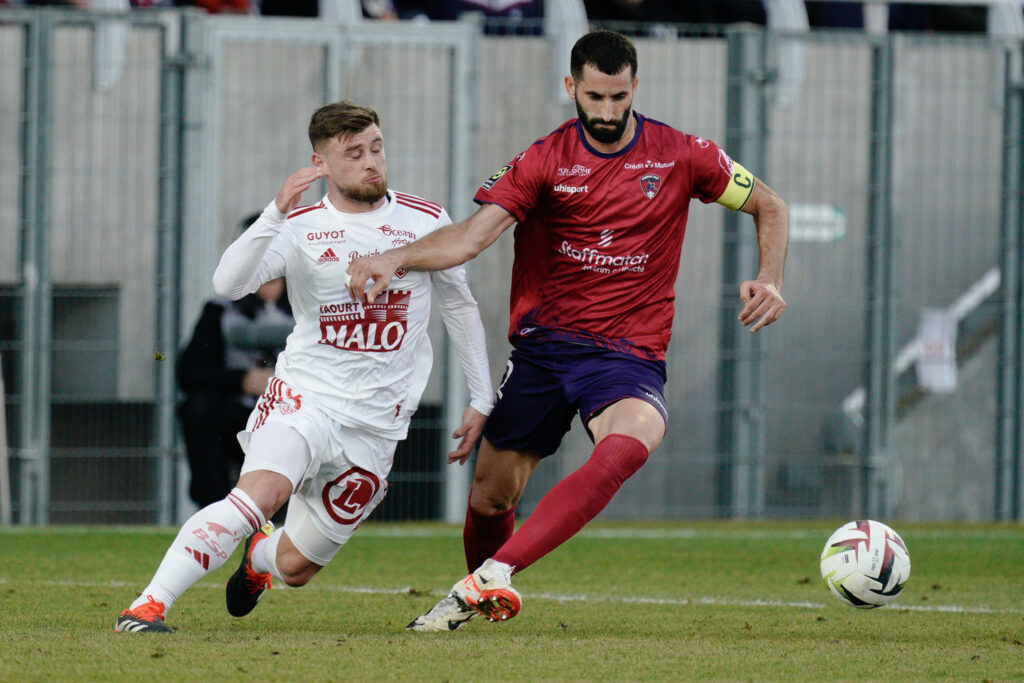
x=624 y=600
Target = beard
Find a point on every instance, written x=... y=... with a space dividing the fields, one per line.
x=609 y=131
x=367 y=192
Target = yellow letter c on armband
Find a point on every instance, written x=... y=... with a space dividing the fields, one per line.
x=739 y=189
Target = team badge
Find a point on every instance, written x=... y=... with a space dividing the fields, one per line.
x=650 y=183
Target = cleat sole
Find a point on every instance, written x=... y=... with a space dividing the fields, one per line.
x=497 y=605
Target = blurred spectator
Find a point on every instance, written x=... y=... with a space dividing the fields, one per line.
x=381 y=10
x=902 y=17
x=217 y=6
x=957 y=18
x=290 y=8
x=505 y=15
x=81 y=4
x=835 y=14
x=671 y=11
x=371 y=9
x=222 y=370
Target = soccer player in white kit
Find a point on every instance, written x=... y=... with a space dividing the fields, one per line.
x=323 y=435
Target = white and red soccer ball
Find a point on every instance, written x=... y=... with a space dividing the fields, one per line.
x=865 y=564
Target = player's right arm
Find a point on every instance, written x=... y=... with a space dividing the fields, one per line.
x=246 y=263
x=446 y=247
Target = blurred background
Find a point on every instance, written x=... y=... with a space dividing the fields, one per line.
x=134 y=138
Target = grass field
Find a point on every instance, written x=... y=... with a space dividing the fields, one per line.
x=665 y=601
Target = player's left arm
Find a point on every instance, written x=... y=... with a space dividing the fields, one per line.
x=762 y=300
x=461 y=317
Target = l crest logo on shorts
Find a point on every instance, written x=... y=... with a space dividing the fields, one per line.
x=346 y=497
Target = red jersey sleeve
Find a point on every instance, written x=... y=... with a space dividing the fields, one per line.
x=712 y=169
x=516 y=186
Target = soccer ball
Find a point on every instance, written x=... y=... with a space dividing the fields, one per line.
x=865 y=564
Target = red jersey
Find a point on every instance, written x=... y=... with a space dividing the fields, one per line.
x=598 y=242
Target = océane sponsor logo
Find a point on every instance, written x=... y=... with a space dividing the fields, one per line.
x=388 y=231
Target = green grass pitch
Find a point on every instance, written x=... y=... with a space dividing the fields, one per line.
x=622 y=601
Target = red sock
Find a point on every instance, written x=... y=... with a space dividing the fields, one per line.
x=483 y=535
x=574 y=501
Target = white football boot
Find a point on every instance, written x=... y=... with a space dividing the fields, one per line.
x=446 y=615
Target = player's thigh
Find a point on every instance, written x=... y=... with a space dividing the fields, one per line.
x=621 y=394
x=331 y=502
x=500 y=477
x=632 y=417
x=531 y=414
x=277 y=455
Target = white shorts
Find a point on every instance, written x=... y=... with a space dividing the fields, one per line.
x=338 y=473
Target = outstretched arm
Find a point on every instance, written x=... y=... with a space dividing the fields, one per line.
x=762 y=302
x=449 y=246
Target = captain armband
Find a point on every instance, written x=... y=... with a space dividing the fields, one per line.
x=739 y=189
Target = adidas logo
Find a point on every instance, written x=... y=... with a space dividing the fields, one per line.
x=202 y=558
x=327 y=256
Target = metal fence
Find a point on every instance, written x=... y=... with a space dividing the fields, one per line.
x=130 y=145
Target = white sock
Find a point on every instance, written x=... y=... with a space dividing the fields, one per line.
x=264 y=555
x=203 y=545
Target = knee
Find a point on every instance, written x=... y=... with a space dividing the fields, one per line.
x=491 y=500
x=269 y=490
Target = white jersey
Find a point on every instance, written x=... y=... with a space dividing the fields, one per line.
x=365 y=365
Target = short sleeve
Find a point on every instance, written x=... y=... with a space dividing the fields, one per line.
x=515 y=186
x=717 y=178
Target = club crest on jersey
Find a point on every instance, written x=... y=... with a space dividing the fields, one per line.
x=650 y=183
x=489 y=183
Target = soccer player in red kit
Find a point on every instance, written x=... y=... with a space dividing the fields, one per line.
x=601 y=206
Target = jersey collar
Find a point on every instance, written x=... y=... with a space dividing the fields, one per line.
x=374 y=215
x=632 y=143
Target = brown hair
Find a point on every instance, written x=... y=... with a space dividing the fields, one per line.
x=340 y=118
